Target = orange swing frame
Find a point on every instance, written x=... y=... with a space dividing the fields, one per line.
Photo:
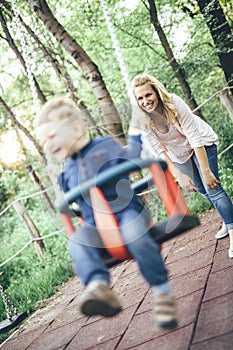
x=169 y=193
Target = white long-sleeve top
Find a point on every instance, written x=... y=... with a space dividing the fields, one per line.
x=189 y=132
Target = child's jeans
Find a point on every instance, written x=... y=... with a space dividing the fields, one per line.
x=217 y=197
x=85 y=243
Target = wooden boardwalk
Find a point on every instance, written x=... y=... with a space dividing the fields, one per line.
x=202 y=276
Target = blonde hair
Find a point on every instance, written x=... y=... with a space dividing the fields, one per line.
x=57 y=109
x=170 y=111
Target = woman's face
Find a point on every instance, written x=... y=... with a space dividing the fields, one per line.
x=146 y=97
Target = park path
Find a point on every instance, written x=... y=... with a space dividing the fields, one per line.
x=202 y=276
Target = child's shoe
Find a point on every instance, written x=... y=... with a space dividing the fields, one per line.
x=165 y=311
x=223 y=232
x=99 y=299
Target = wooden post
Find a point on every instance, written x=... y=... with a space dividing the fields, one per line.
x=34 y=233
x=227 y=102
x=45 y=198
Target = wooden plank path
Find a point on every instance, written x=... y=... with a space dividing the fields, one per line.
x=202 y=276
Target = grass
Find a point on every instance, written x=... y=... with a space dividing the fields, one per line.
x=26 y=280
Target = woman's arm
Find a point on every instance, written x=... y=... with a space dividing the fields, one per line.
x=202 y=158
x=185 y=181
x=197 y=131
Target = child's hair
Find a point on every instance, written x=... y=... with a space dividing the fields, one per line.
x=57 y=109
x=170 y=110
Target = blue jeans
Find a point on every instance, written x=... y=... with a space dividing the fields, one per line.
x=217 y=197
x=85 y=243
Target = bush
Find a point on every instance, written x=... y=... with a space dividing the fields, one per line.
x=26 y=280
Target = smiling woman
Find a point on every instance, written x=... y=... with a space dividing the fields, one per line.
x=185 y=141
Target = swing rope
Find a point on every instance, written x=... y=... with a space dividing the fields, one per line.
x=53 y=170
x=26 y=56
x=11 y=310
x=118 y=51
x=124 y=72
x=13 y=315
x=14 y=318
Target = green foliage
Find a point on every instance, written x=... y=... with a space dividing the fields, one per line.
x=26 y=280
x=227 y=7
x=197 y=204
x=225 y=174
x=9 y=185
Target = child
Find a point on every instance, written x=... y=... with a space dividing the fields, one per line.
x=61 y=129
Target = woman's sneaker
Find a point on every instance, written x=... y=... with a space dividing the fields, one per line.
x=223 y=232
x=230 y=253
x=165 y=311
x=99 y=299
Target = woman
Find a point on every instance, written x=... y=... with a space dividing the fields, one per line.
x=187 y=143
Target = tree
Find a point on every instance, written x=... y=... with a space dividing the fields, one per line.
x=64 y=75
x=89 y=68
x=178 y=71
x=18 y=54
x=221 y=34
x=19 y=126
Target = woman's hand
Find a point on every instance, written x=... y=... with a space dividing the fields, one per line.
x=209 y=177
x=186 y=182
x=210 y=180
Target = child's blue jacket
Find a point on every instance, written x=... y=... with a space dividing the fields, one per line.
x=98 y=155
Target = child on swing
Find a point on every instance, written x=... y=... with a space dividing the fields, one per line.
x=61 y=130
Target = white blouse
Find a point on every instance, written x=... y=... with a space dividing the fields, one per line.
x=189 y=132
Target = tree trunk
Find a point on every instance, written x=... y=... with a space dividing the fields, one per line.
x=89 y=68
x=63 y=74
x=227 y=102
x=221 y=34
x=17 y=124
x=45 y=198
x=178 y=72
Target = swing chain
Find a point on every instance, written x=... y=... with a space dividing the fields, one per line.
x=52 y=168
x=8 y=304
x=26 y=56
x=118 y=51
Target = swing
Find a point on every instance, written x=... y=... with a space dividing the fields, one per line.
x=14 y=318
x=178 y=222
